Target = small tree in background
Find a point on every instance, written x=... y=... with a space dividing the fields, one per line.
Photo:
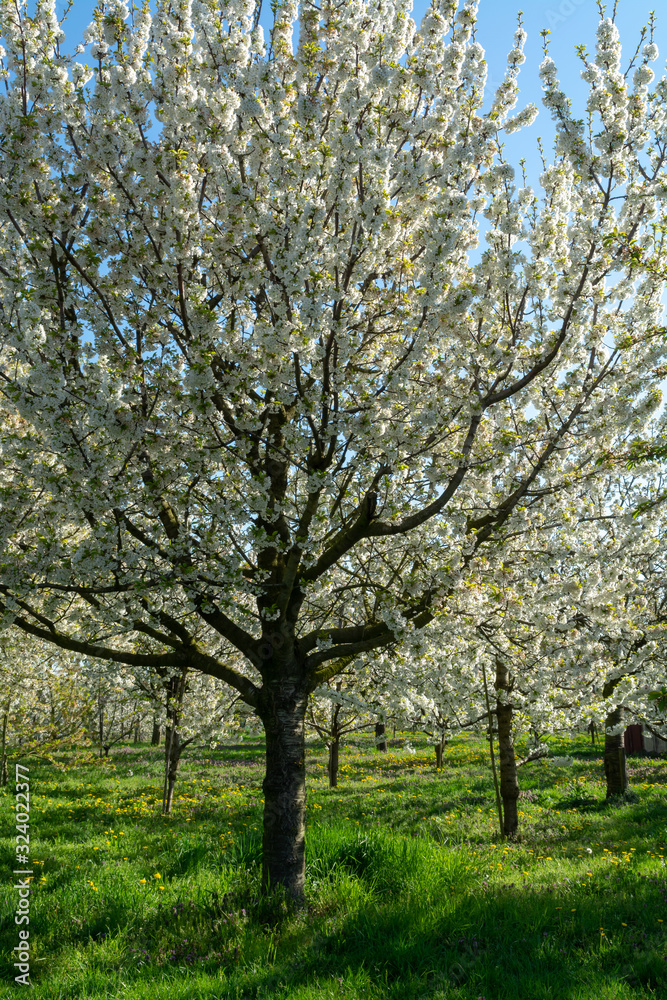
x=43 y=704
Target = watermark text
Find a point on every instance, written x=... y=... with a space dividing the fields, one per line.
x=24 y=872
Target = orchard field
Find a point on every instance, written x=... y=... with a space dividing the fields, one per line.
x=410 y=891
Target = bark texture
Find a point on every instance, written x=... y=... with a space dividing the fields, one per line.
x=380 y=731
x=173 y=751
x=335 y=733
x=440 y=751
x=173 y=745
x=282 y=711
x=156 y=735
x=614 y=755
x=334 y=758
x=509 y=781
x=100 y=729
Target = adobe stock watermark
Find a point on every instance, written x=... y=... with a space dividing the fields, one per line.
x=22 y=915
x=560 y=14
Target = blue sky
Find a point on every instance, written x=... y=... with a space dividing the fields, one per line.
x=571 y=22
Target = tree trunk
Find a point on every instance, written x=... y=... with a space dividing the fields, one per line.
x=334 y=755
x=509 y=781
x=155 y=735
x=174 y=761
x=282 y=711
x=380 y=731
x=614 y=756
x=175 y=691
x=137 y=730
x=100 y=727
x=172 y=744
x=334 y=743
x=440 y=751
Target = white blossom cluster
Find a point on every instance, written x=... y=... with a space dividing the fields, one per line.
x=294 y=367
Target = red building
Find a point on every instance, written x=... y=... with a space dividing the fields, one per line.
x=638 y=740
x=633 y=739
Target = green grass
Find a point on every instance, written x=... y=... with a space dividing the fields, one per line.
x=411 y=893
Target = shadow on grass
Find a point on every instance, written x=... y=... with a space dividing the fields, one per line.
x=640 y=771
x=631 y=813
x=398 y=918
x=500 y=944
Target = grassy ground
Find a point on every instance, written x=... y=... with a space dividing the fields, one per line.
x=412 y=895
